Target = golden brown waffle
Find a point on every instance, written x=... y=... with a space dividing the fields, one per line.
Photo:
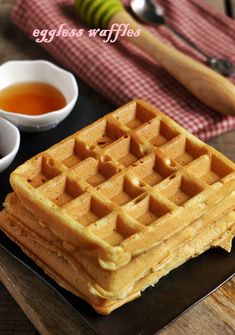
x=72 y=276
x=118 y=284
x=125 y=184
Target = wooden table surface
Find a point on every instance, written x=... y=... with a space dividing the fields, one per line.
x=215 y=315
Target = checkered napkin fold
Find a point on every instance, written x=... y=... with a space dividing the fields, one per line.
x=120 y=72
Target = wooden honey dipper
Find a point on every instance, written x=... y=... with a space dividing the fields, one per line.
x=208 y=86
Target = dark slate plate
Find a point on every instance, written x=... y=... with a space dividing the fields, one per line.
x=158 y=306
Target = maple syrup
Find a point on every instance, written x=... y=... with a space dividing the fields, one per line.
x=31 y=98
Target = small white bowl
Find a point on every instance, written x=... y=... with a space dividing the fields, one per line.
x=15 y=72
x=9 y=143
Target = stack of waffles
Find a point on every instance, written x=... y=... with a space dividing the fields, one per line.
x=113 y=208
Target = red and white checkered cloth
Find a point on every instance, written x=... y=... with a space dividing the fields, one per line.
x=120 y=72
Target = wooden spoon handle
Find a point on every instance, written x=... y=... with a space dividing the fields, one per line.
x=207 y=85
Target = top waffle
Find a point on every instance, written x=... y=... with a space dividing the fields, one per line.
x=124 y=184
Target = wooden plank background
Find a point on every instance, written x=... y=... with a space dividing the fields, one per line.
x=215 y=315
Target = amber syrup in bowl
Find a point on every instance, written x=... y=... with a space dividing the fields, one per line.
x=31 y=98
x=36 y=95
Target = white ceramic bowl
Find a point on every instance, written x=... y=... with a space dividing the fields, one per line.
x=9 y=143
x=14 y=72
